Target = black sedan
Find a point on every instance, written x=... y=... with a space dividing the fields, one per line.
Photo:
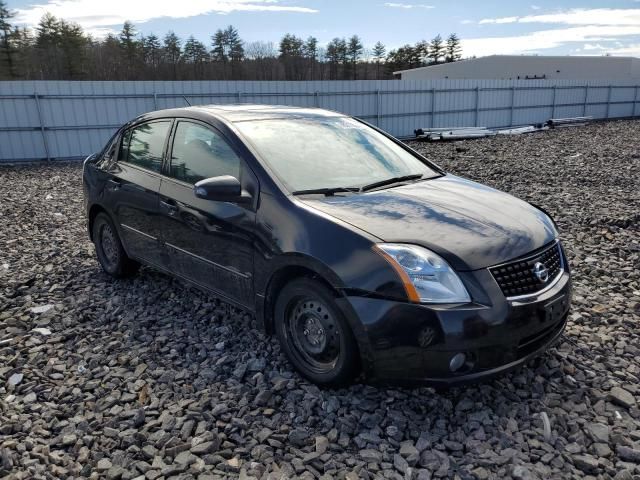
x=359 y=253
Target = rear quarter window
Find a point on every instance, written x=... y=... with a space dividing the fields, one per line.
x=144 y=144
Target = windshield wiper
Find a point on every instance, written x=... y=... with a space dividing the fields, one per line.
x=391 y=181
x=326 y=191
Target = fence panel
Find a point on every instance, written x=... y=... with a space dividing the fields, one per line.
x=67 y=120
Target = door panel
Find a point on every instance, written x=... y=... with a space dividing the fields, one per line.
x=132 y=191
x=134 y=200
x=208 y=242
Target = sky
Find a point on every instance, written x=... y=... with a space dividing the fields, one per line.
x=542 y=27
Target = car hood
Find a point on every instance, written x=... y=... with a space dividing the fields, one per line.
x=471 y=225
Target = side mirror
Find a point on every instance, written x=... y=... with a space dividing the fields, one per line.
x=224 y=188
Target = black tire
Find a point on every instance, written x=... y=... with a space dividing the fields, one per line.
x=315 y=335
x=111 y=255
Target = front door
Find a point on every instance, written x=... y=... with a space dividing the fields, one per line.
x=208 y=242
x=132 y=190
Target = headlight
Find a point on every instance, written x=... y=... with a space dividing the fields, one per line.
x=428 y=278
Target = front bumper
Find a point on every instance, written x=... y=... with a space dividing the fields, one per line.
x=408 y=343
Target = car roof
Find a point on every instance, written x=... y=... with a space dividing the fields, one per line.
x=245 y=112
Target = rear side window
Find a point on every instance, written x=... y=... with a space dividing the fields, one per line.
x=199 y=152
x=143 y=145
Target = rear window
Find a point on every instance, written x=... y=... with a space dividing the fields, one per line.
x=143 y=145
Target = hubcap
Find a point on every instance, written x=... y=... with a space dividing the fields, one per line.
x=313 y=333
x=109 y=245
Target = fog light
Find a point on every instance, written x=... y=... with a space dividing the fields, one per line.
x=457 y=361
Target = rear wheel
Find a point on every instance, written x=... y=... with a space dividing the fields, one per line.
x=314 y=333
x=111 y=255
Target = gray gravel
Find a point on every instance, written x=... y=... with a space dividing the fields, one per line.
x=147 y=378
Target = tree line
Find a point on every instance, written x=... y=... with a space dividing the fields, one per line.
x=59 y=50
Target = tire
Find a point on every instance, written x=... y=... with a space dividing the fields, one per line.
x=111 y=255
x=315 y=335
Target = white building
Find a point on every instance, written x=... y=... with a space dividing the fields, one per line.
x=514 y=67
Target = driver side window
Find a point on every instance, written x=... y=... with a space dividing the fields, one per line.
x=199 y=153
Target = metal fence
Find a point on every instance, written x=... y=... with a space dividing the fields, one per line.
x=50 y=120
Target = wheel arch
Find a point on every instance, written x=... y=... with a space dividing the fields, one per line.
x=287 y=268
x=93 y=213
x=292 y=266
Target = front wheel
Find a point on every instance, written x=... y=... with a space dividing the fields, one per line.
x=109 y=249
x=315 y=335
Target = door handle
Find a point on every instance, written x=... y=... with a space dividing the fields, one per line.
x=113 y=185
x=170 y=206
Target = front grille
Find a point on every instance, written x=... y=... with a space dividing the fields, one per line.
x=518 y=278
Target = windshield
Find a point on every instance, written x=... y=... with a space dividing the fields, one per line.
x=329 y=152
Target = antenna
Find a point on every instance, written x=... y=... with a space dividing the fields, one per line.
x=185 y=99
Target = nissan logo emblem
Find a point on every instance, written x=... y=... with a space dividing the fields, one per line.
x=541 y=272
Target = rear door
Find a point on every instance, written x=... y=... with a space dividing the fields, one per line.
x=209 y=242
x=133 y=188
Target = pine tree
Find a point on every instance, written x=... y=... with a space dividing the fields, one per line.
x=218 y=43
x=310 y=52
x=228 y=48
x=195 y=53
x=172 y=52
x=379 y=51
x=354 y=52
x=72 y=44
x=22 y=42
x=403 y=58
x=292 y=56
x=110 y=63
x=310 y=48
x=336 y=55
x=422 y=52
x=236 y=51
x=453 y=48
x=130 y=48
x=7 y=60
x=436 y=50
x=151 y=51
x=47 y=43
x=234 y=44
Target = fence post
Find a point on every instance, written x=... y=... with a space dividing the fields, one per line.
x=608 y=101
x=239 y=95
x=586 y=97
x=433 y=107
x=513 y=98
x=42 y=130
x=475 y=119
x=378 y=112
x=155 y=101
x=635 y=102
x=553 y=108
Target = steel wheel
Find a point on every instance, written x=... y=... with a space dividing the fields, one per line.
x=109 y=245
x=313 y=332
x=111 y=254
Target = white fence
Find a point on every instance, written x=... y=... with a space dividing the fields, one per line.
x=50 y=120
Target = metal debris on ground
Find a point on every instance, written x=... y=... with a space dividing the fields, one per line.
x=464 y=133
x=568 y=122
x=521 y=130
x=453 y=133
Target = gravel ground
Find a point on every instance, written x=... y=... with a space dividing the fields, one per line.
x=149 y=378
